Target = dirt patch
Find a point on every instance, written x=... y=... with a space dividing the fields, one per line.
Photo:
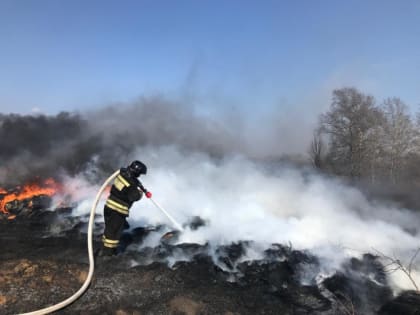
x=3 y=300
x=185 y=306
x=46 y=282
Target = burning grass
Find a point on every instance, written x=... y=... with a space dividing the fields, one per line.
x=10 y=197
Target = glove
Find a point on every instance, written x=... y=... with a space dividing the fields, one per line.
x=148 y=194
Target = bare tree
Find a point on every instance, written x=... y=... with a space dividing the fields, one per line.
x=399 y=136
x=394 y=264
x=351 y=125
x=316 y=150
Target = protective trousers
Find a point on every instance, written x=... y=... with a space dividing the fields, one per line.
x=114 y=225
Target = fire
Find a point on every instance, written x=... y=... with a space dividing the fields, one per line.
x=48 y=187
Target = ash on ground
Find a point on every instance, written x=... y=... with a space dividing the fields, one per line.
x=44 y=261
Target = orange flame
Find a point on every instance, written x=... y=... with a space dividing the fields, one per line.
x=49 y=187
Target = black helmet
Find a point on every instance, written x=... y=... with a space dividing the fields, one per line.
x=137 y=168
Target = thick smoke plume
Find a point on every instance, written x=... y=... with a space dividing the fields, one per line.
x=208 y=167
x=41 y=146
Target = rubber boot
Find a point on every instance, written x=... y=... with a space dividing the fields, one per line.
x=107 y=252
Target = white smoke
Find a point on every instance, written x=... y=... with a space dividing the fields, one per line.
x=242 y=200
x=80 y=194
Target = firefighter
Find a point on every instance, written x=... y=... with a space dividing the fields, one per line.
x=125 y=190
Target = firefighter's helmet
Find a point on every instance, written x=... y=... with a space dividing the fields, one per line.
x=137 y=168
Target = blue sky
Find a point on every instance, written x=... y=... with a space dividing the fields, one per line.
x=254 y=55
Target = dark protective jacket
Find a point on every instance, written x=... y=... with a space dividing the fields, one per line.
x=124 y=192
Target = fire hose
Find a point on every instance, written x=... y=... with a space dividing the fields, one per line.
x=85 y=285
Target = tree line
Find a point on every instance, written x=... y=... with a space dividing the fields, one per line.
x=361 y=139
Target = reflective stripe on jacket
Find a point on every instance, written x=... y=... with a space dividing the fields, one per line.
x=117 y=205
x=120 y=182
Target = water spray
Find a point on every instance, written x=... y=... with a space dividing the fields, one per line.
x=85 y=285
x=174 y=222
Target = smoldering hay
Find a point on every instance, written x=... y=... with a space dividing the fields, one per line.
x=244 y=200
x=199 y=166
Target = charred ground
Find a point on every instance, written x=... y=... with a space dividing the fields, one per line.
x=44 y=260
